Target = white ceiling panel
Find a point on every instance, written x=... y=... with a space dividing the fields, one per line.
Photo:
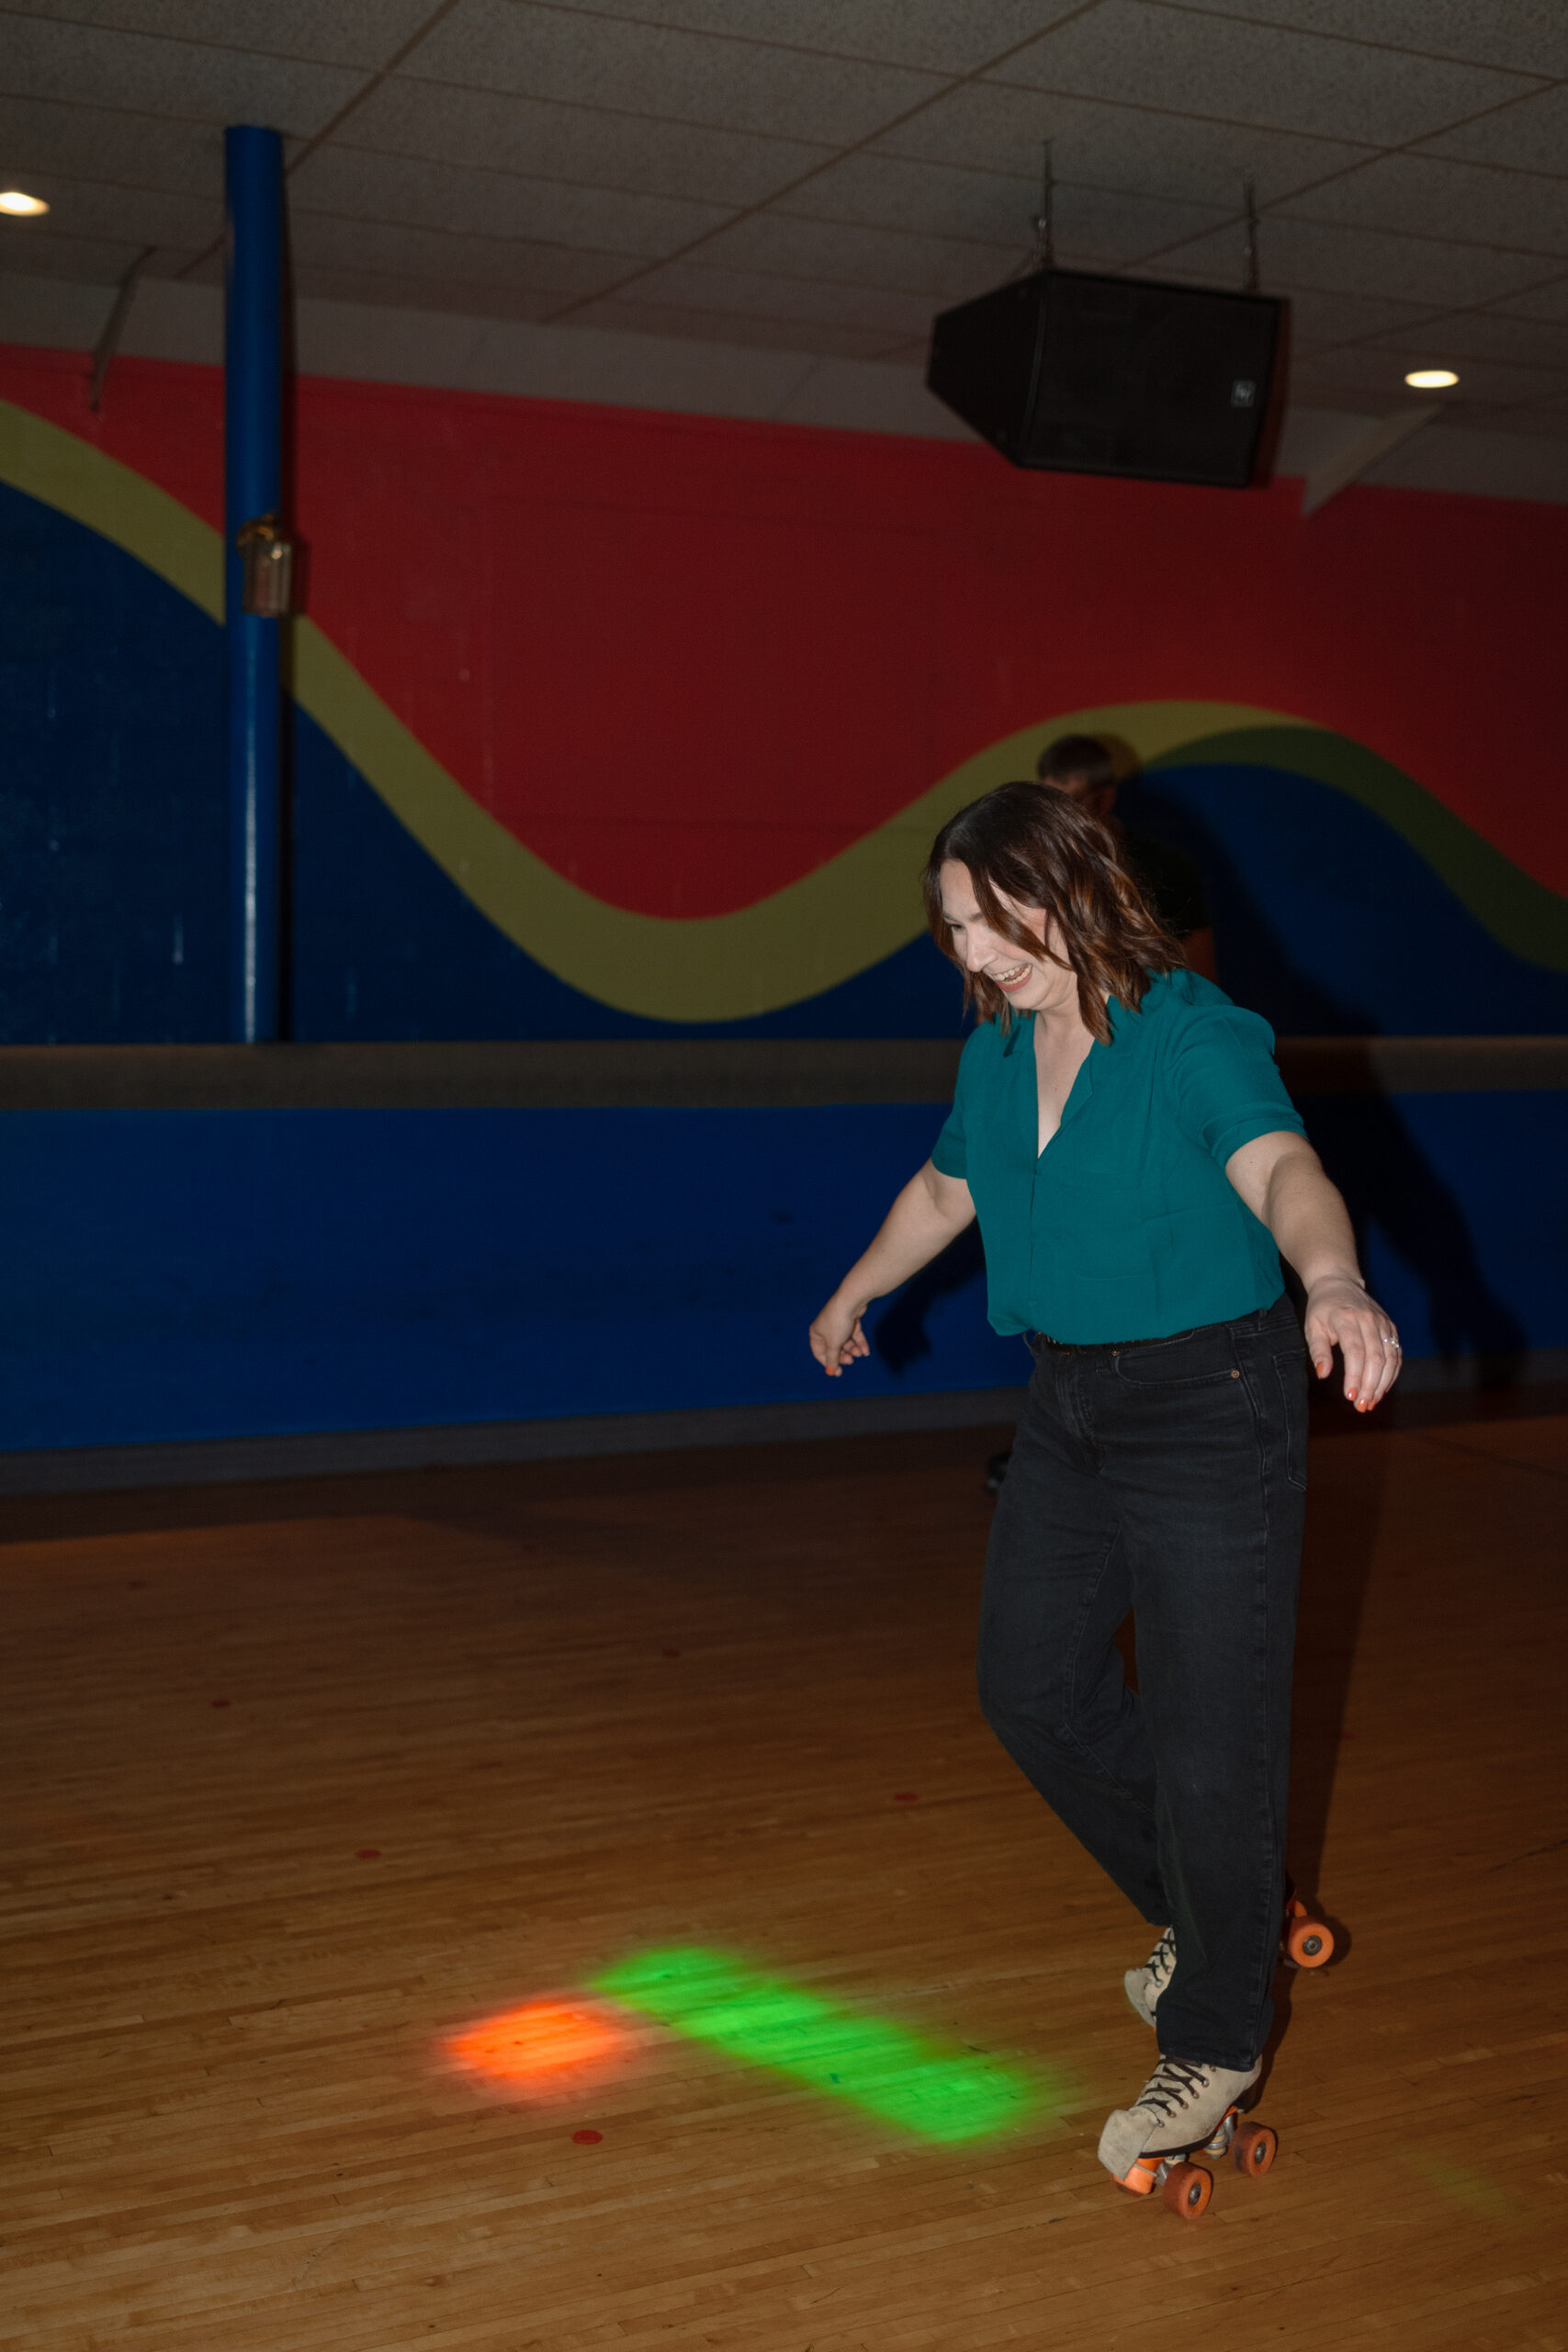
x=1489 y=380
x=1530 y=35
x=38 y=135
x=1531 y=136
x=1465 y=202
x=40 y=59
x=649 y=69
x=318 y=281
x=137 y=216
x=1339 y=260
x=579 y=144
x=99 y=261
x=941 y=35
x=1320 y=321
x=1550 y=423
x=934 y=199
x=1487 y=335
x=1187 y=63
x=1546 y=300
x=942 y=268
x=990 y=127
x=340 y=33
x=700 y=286
x=497 y=204
x=627 y=315
x=389 y=251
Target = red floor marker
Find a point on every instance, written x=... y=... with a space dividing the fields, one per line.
x=368 y=1853
x=587 y=2139
x=221 y=1702
x=669 y=1653
x=905 y=1796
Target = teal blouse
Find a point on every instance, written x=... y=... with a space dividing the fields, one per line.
x=1124 y=1226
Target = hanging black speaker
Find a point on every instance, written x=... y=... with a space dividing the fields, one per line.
x=1078 y=374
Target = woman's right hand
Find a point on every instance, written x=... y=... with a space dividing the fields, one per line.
x=837 y=1337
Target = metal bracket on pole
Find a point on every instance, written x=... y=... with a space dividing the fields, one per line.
x=1249 y=198
x=109 y=342
x=1045 y=225
x=253 y=496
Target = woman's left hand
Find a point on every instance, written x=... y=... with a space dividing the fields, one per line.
x=1340 y=1314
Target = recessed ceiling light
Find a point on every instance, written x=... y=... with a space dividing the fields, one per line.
x=1431 y=379
x=13 y=200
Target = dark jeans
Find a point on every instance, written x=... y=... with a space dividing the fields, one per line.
x=1168 y=1478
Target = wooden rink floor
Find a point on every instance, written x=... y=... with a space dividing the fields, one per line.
x=305 y=1780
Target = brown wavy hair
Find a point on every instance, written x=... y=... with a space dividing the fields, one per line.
x=1038 y=847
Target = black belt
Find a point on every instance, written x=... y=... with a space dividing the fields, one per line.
x=1089 y=1347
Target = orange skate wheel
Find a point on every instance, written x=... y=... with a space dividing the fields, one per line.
x=1308 y=1942
x=1188 y=2188
x=1254 y=2148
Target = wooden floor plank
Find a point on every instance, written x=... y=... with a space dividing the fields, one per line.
x=305 y=1781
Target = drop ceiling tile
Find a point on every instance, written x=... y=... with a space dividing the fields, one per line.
x=1219 y=66
x=1530 y=35
x=1547 y=301
x=546 y=52
x=1485 y=335
x=497 y=204
x=1100 y=226
x=1529 y=136
x=137 y=216
x=698 y=286
x=1339 y=260
x=41 y=60
x=318 y=240
x=932 y=199
x=28 y=249
x=1491 y=380
x=1319 y=322
x=91 y=142
x=1551 y=424
x=629 y=316
x=988 y=126
x=348 y=33
x=575 y=143
x=1423 y=196
x=942 y=269
x=322 y=283
x=941 y=35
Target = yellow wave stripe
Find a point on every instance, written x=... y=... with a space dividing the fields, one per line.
x=845 y=916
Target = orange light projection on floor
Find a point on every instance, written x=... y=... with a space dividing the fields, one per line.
x=531 y=2045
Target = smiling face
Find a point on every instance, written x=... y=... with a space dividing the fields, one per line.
x=1030 y=982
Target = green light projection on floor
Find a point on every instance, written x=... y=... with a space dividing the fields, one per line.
x=884 y=2069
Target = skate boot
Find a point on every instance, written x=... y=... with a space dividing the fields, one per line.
x=1182 y=2107
x=1145 y=1985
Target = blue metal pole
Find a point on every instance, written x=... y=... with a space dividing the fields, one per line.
x=253 y=486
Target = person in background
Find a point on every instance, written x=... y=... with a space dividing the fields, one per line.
x=1082 y=765
x=1123 y=1135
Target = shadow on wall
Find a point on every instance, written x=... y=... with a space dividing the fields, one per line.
x=899 y=1336
x=1390 y=1186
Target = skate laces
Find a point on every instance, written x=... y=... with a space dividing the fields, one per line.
x=1162 y=1962
x=1174 y=2082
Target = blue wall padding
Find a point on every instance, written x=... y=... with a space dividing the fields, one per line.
x=198 y=1274
x=192 y=1274
x=113 y=821
x=1330 y=923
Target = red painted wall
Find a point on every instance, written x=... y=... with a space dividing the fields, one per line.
x=686 y=660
